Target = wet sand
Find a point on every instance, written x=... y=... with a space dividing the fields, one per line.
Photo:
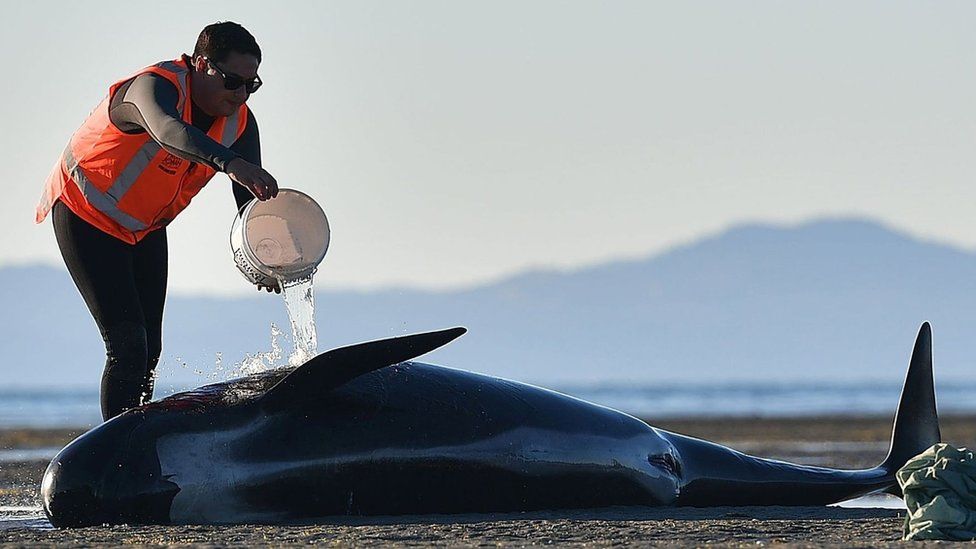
x=829 y=441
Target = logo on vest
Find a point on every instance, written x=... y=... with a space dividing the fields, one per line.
x=170 y=164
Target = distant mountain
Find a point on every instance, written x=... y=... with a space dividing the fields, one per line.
x=832 y=299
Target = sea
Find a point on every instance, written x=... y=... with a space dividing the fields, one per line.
x=55 y=408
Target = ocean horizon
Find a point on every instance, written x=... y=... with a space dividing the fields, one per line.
x=79 y=408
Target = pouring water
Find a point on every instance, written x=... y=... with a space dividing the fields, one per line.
x=300 y=302
x=281 y=242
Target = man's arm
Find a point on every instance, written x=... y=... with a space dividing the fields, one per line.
x=149 y=103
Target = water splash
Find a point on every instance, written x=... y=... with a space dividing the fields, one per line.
x=260 y=362
x=218 y=367
x=299 y=300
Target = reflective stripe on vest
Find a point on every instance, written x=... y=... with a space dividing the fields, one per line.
x=180 y=73
x=231 y=125
x=113 y=178
x=107 y=202
x=230 y=129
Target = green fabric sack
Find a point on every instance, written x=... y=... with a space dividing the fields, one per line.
x=940 y=492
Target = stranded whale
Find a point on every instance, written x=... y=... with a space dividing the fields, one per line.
x=362 y=430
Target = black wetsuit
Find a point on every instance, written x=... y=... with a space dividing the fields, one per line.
x=124 y=285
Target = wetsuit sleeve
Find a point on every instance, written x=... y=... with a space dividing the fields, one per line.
x=149 y=102
x=248 y=147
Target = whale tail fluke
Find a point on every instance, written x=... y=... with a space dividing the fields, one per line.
x=715 y=475
x=916 y=420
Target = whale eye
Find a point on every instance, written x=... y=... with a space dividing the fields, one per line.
x=666 y=462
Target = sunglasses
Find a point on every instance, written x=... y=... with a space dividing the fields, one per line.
x=233 y=81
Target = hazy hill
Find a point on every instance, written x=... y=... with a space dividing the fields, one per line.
x=834 y=299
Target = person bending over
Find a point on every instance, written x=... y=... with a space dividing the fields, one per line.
x=145 y=151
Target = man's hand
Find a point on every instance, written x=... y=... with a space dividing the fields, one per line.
x=253 y=177
x=276 y=287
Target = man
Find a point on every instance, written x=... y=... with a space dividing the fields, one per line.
x=136 y=162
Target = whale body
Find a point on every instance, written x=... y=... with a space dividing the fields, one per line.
x=365 y=430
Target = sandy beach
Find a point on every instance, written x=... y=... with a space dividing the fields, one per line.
x=830 y=441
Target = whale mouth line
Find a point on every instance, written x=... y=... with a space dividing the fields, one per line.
x=72 y=508
x=666 y=462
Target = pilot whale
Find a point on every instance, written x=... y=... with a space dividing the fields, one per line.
x=365 y=430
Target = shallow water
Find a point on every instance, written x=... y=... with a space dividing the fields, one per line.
x=27 y=454
x=765 y=399
x=873 y=501
x=15 y=516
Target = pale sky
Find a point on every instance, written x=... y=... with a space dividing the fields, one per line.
x=453 y=143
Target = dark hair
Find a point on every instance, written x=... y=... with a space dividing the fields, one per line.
x=216 y=41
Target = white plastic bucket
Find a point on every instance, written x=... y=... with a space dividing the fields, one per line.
x=284 y=238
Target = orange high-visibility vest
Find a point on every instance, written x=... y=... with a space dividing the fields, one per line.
x=128 y=185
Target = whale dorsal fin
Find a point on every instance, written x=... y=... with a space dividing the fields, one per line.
x=334 y=368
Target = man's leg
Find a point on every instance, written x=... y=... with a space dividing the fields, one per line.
x=123 y=379
x=102 y=269
x=150 y=266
